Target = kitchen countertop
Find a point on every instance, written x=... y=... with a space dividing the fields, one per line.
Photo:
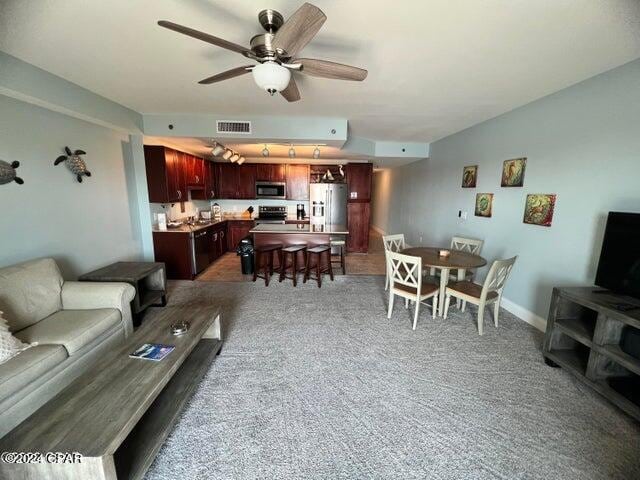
x=300 y=228
x=184 y=228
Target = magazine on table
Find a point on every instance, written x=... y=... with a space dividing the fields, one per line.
x=152 y=351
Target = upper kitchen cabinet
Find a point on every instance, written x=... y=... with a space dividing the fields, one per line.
x=194 y=170
x=246 y=181
x=359 y=176
x=210 y=189
x=165 y=175
x=297 y=182
x=269 y=172
x=235 y=181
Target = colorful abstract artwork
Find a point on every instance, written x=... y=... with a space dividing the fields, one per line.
x=484 y=204
x=538 y=209
x=469 y=176
x=513 y=172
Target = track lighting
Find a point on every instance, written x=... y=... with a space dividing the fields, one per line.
x=240 y=160
x=217 y=149
x=227 y=154
x=234 y=157
x=316 y=153
x=265 y=151
x=292 y=152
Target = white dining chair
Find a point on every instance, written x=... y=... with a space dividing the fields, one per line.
x=392 y=243
x=482 y=295
x=406 y=281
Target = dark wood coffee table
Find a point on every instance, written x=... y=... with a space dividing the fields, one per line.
x=119 y=412
x=148 y=278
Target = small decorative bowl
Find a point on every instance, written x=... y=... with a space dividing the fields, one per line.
x=444 y=253
x=180 y=328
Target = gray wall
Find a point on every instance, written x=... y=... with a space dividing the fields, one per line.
x=582 y=143
x=83 y=226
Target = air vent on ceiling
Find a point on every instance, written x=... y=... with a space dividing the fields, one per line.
x=226 y=126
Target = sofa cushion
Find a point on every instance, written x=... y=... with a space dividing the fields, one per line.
x=72 y=328
x=10 y=346
x=29 y=292
x=28 y=366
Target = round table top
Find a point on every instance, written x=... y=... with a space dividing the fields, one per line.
x=457 y=259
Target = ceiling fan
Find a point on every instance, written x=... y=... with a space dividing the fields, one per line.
x=276 y=50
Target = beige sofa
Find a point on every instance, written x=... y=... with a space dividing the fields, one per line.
x=74 y=323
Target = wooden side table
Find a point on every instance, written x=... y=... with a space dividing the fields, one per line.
x=148 y=278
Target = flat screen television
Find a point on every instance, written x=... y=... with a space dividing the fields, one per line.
x=619 y=266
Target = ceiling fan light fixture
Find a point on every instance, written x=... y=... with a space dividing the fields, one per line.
x=227 y=154
x=271 y=77
x=316 y=153
x=217 y=150
x=235 y=157
x=292 y=152
x=265 y=151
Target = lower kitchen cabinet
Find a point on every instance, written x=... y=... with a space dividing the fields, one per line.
x=358 y=225
x=238 y=229
x=186 y=254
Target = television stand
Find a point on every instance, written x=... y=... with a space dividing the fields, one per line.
x=597 y=343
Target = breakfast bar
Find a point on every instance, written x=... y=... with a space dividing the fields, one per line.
x=296 y=234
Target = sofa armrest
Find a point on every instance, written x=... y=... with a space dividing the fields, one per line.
x=90 y=295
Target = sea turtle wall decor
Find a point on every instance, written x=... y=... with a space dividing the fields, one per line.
x=74 y=163
x=8 y=173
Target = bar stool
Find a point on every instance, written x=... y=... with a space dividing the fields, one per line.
x=317 y=253
x=341 y=244
x=264 y=259
x=293 y=251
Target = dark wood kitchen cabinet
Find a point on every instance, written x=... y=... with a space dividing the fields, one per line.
x=175 y=250
x=237 y=230
x=359 y=177
x=210 y=189
x=218 y=241
x=194 y=170
x=165 y=175
x=297 y=182
x=358 y=214
x=247 y=181
x=271 y=172
x=236 y=181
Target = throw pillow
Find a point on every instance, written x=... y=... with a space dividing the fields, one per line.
x=10 y=346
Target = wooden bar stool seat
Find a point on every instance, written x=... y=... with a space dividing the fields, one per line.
x=317 y=253
x=264 y=260
x=291 y=253
x=341 y=244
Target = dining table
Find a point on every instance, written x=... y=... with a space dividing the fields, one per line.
x=456 y=260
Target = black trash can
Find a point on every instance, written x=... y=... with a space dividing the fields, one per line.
x=245 y=251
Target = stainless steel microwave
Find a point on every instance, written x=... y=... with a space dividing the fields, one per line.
x=271 y=190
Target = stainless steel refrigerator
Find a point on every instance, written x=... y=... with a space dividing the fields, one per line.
x=328 y=203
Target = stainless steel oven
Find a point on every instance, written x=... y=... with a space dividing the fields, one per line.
x=276 y=190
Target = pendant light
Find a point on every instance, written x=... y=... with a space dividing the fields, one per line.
x=265 y=151
x=292 y=152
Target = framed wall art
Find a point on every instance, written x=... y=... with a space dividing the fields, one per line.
x=538 y=209
x=513 y=172
x=484 y=204
x=469 y=176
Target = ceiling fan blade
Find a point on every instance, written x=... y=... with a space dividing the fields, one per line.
x=234 y=72
x=205 y=37
x=291 y=93
x=299 y=29
x=326 y=69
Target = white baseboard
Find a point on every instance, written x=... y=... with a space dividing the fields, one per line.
x=378 y=229
x=524 y=314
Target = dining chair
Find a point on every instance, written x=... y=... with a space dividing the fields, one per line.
x=482 y=295
x=392 y=243
x=405 y=280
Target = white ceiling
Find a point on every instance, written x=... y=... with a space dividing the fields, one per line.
x=435 y=66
